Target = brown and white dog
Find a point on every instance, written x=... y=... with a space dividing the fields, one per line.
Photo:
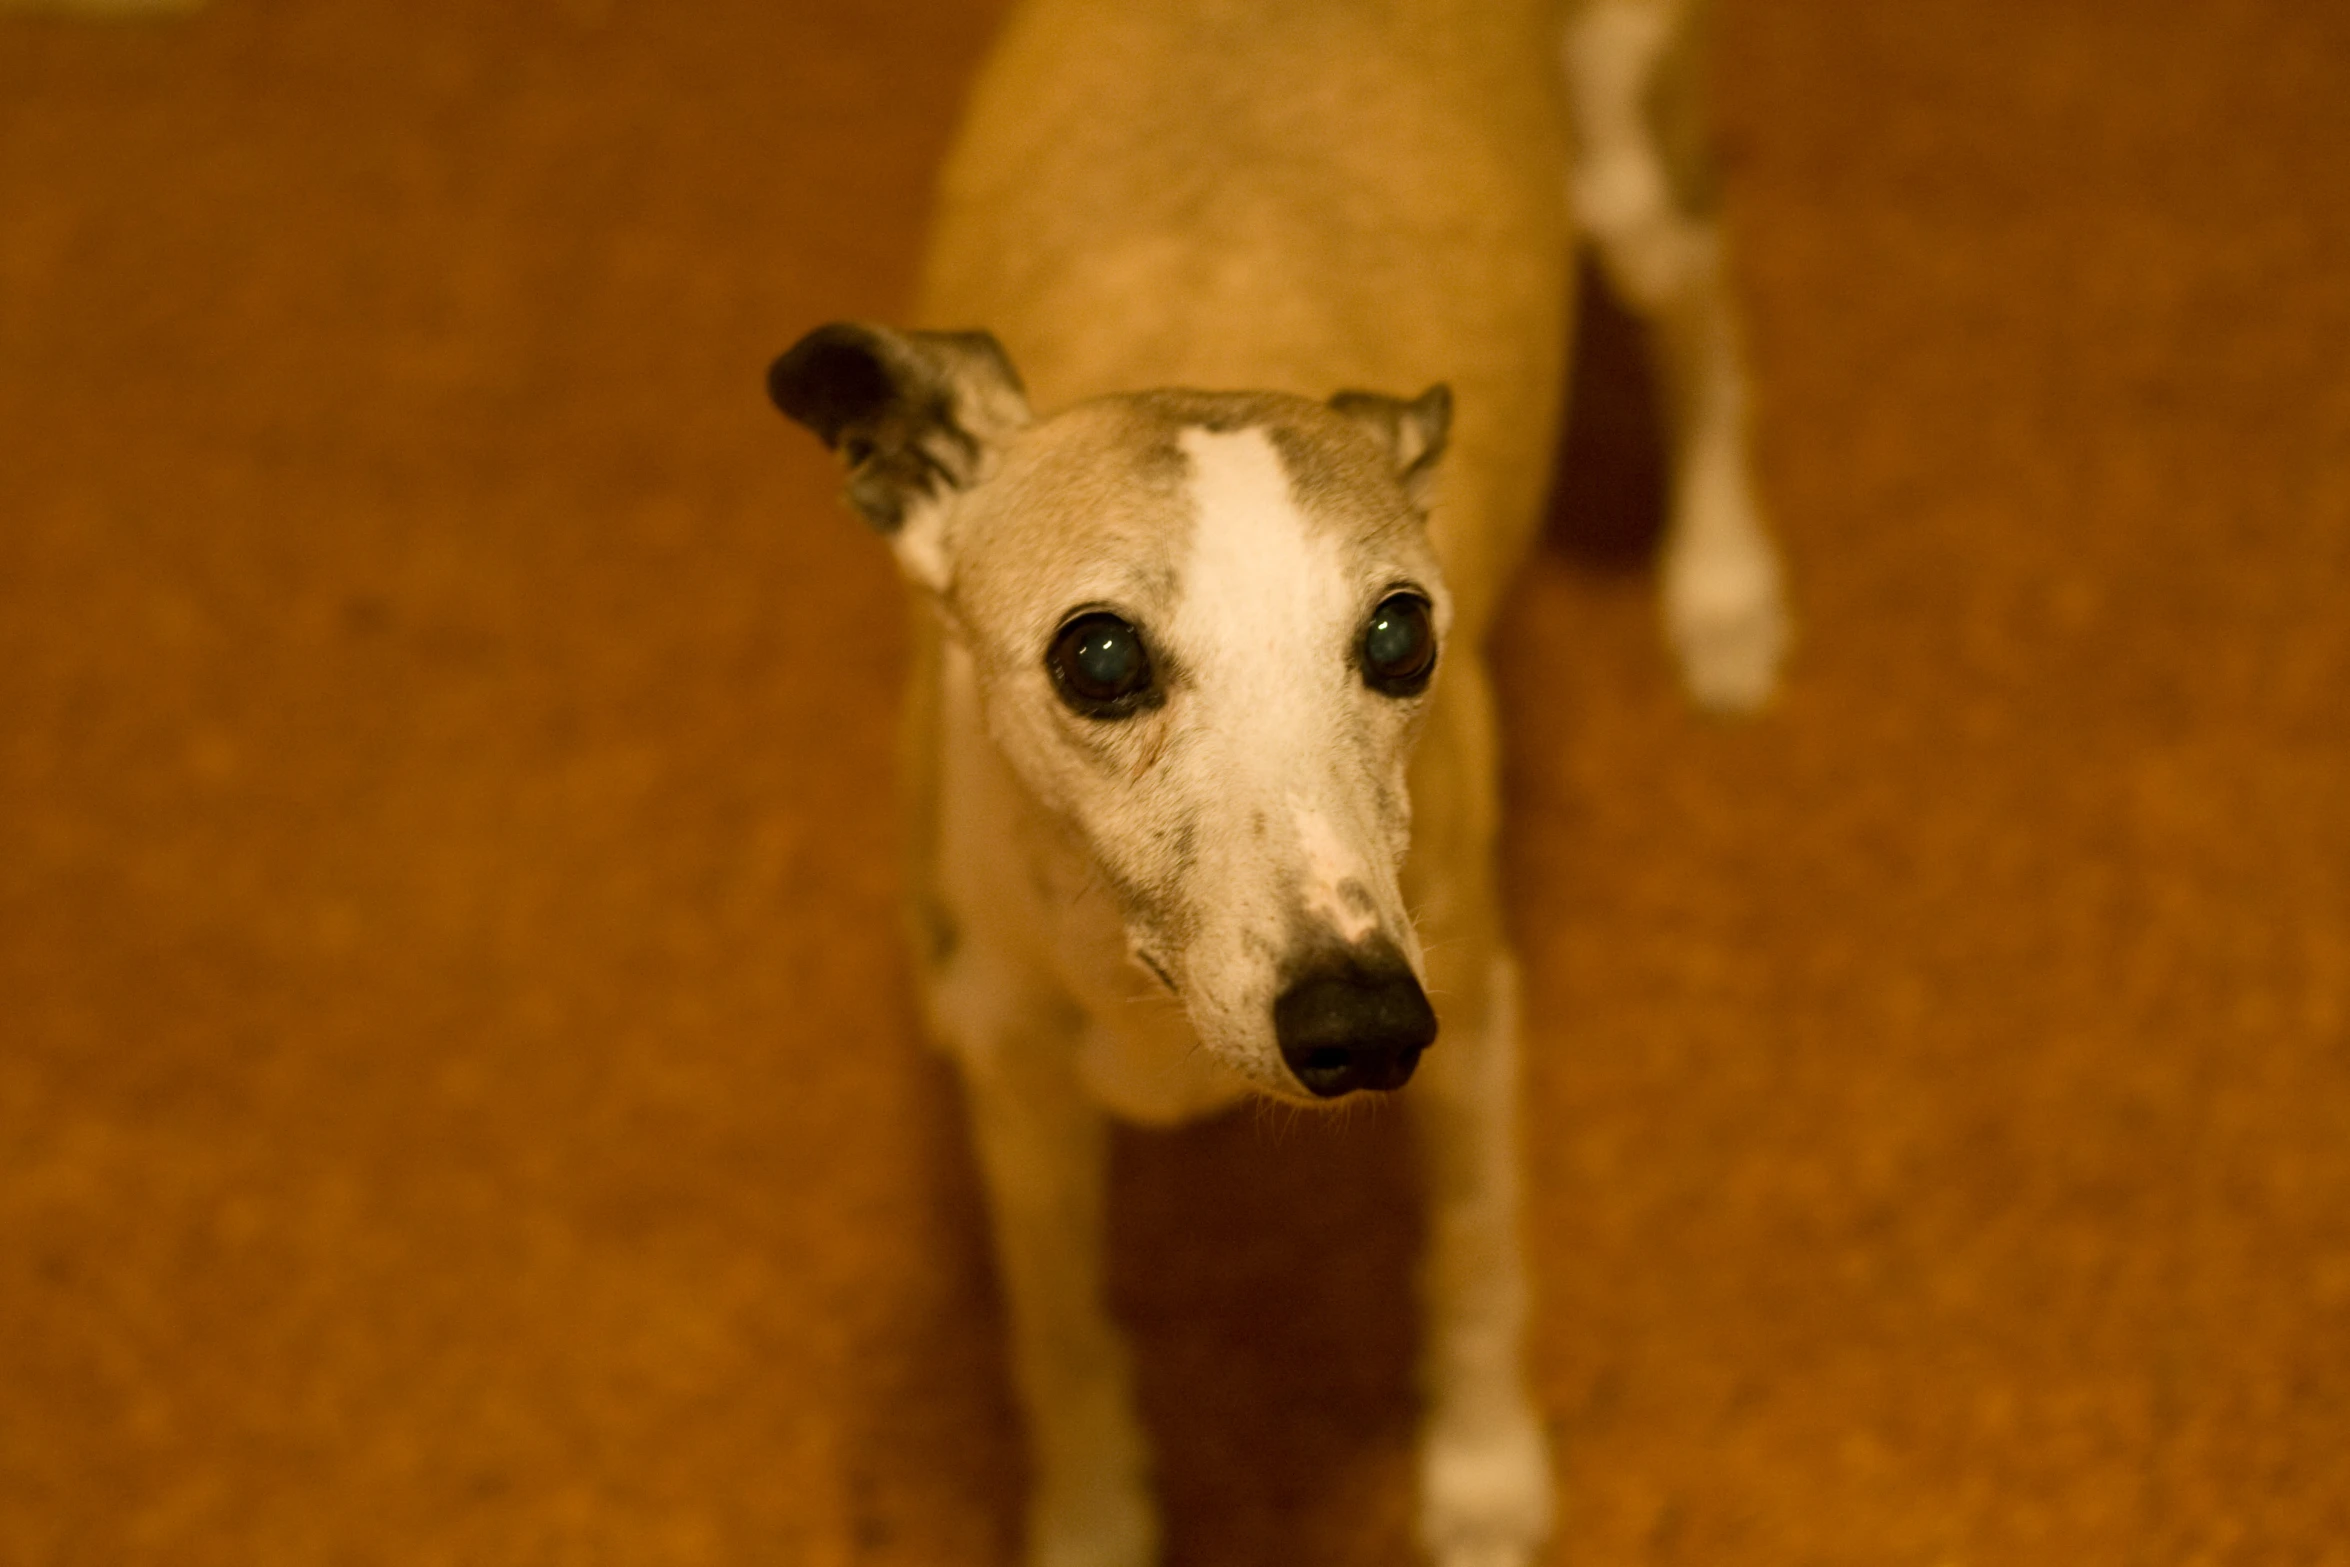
x=1203 y=761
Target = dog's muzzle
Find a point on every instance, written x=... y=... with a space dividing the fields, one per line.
x=1344 y=1024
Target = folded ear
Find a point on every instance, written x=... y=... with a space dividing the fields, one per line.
x=913 y=415
x=1413 y=432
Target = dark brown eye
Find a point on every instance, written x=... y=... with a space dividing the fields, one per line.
x=1399 y=646
x=1099 y=666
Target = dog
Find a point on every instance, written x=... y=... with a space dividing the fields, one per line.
x=1201 y=742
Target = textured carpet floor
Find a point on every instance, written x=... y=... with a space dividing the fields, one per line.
x=458 y=1097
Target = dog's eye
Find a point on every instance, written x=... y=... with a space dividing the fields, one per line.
x=1099 y=666
x=1399 y=646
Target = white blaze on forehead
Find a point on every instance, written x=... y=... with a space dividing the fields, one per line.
x=1266 y=600
x=1268 y=607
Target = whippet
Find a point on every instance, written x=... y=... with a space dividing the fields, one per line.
x=1202 y=760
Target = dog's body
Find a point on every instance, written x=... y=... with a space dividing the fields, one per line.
x=1191 y=817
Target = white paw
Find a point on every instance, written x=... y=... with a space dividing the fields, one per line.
x=1724 y=607
x=1730 y=640
x=1485 y=1496
x=1111 y=1523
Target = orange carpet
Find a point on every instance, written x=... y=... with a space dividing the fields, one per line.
x=458 y=1095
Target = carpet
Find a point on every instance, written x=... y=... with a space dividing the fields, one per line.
x=459 y=1097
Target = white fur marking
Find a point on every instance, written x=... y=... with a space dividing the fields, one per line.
x=1329 y=866
x=1621 y=193
x=921 y=546
x=1723 y=603
x=1261 y=595
x=1268 y=604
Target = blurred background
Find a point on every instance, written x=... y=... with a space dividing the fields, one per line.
x=459 y=1098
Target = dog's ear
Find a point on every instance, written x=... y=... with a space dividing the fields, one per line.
x=913 y=415
x=1413 y=432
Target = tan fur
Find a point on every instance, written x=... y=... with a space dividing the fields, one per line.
x=1293 y=198
x=1282 y=197
x=1297 y=198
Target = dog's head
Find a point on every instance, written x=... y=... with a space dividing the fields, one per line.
x=1203 y=628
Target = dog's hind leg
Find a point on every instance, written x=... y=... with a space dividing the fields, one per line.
x=1642 y=192
x=1043 y=1148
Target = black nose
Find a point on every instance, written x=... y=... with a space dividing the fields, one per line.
x=1343 y=1025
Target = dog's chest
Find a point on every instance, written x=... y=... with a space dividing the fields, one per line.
x=1152 y=1070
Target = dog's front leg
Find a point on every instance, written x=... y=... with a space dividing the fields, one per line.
x=1485 y=1488
x=1043 y=1150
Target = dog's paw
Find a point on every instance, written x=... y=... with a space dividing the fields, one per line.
x=1725 y=608
x=1485 y=1497
x=1730 y=646
x=1109 y=1524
